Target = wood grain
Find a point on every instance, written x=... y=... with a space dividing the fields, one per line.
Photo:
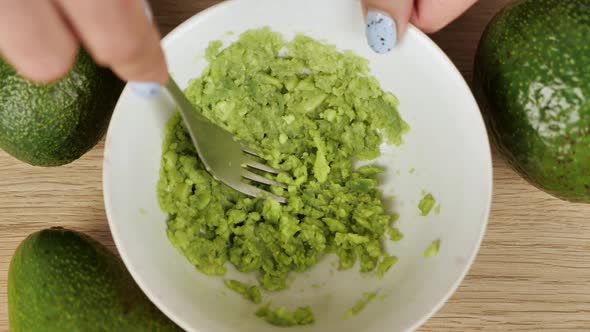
x=532 y=273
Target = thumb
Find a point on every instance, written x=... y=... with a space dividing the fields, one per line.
x=386 y=21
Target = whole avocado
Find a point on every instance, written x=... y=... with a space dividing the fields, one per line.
x=532 y=79
x=63 y=280
x=56 y=123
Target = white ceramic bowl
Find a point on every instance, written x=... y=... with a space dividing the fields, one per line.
x=447 y=146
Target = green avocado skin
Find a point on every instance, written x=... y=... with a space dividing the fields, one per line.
x=63 y=280
x=532 y=80
x=56 y=123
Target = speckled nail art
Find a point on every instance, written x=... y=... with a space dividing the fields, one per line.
x=381 y=31
x=145 y=89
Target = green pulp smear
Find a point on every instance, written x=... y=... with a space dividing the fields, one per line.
x=310 y=111
x=360 y=304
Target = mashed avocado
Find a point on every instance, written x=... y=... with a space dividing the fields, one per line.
x=385 y=264
x=426 y=204
x=310 y=112
x=432 y=249
x=249 y=292
x=282 y=317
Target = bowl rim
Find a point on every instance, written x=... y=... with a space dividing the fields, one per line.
x=177 y=31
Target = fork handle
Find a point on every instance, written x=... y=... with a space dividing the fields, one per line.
x=182 y=101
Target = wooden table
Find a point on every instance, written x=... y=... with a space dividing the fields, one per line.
x=532 y=273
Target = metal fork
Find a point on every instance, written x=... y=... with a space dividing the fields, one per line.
x=224 y=158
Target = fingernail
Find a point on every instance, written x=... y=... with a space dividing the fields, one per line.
x=381 y=31
x=145 y=89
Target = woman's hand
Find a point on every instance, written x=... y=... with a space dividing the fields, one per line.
x=388 y=19
x=40 y=38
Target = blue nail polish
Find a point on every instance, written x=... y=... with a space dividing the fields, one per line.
x=145 y=89
x=381 y=31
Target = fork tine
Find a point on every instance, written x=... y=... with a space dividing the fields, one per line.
x=258 y=178
x=249 y=151
x=261 y=167
x=257 y=192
